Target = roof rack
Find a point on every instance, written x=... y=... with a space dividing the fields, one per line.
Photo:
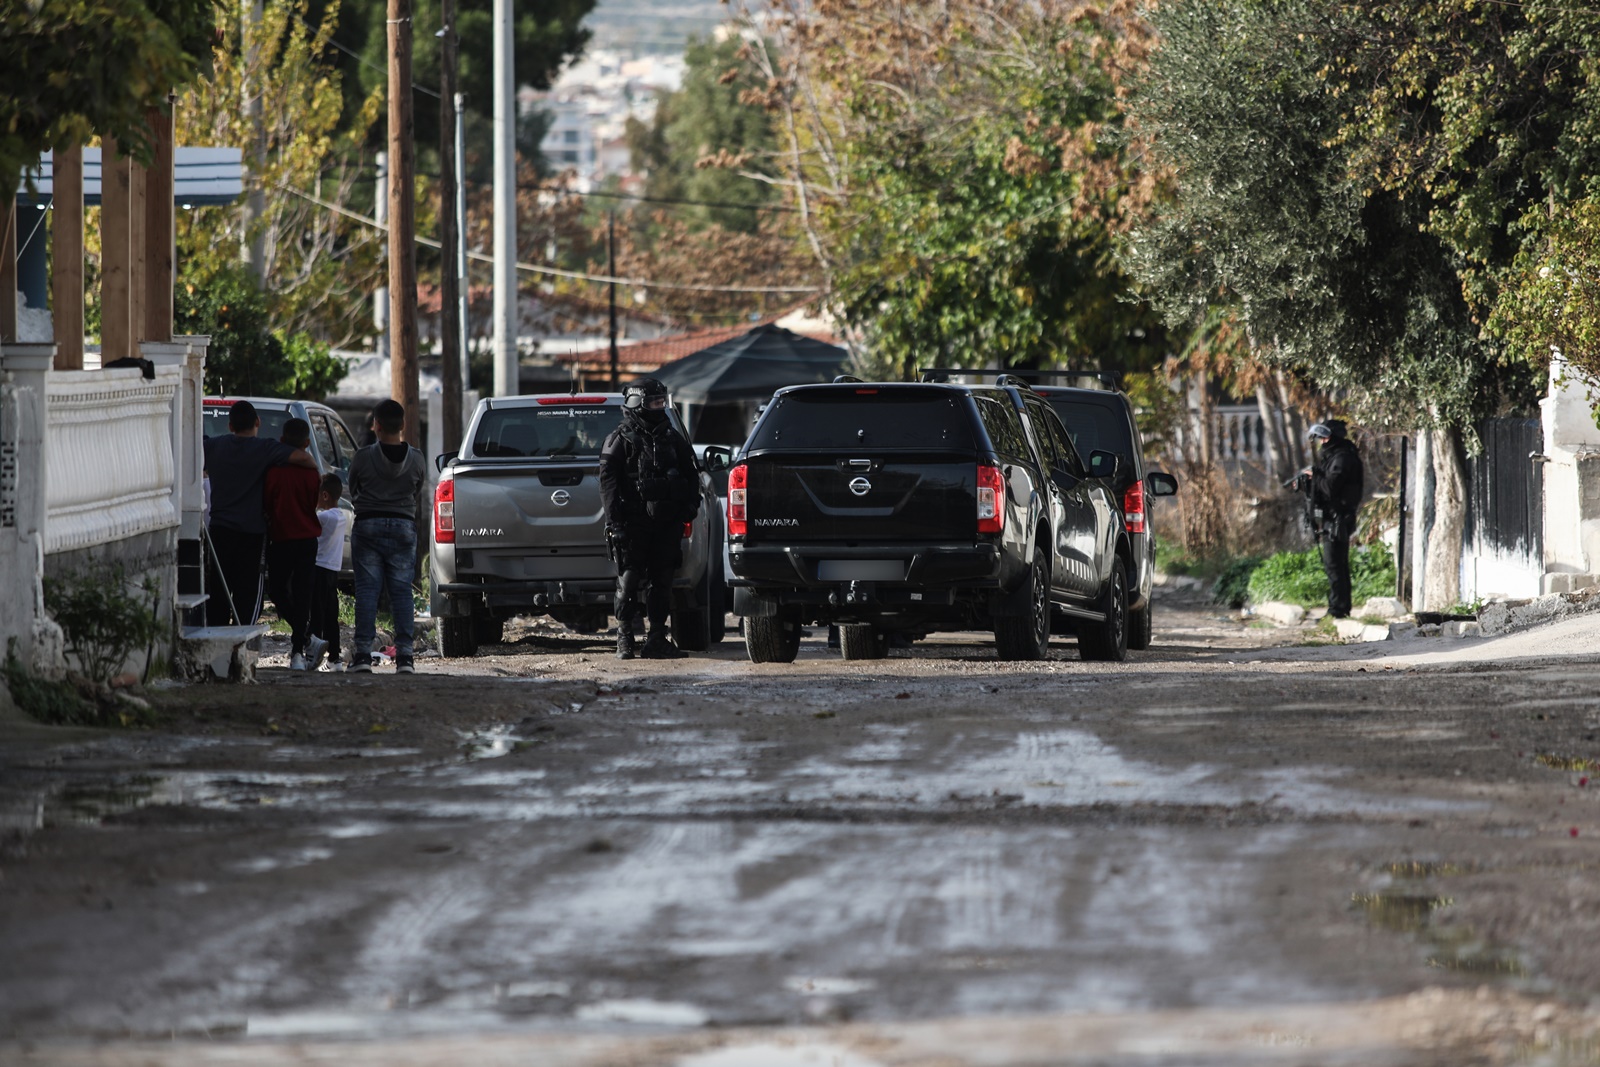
x=944 y=374
x=1100 y=379
x=846 y=379
x=1015 y=381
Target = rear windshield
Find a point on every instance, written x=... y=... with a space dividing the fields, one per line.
x=867 y=418
x=561 y=430
x=214 y=421
x=1094 y=427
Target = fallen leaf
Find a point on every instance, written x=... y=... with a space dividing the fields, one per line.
x=1573 y=831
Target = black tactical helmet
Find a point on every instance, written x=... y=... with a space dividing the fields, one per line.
x=637 y=392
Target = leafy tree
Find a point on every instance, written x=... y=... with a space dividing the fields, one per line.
x=319 y=266
x=1332 y=276
x=946 y=167
x=247 y=356
x=704 y=141
x=74 y=69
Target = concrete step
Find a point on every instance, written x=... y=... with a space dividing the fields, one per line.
x=227 y=653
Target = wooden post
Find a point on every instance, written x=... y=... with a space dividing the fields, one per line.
x=450 y=353
x=402 y=223
x=159 y=238
x=115 y=341
x=66 y=268
x=136 y=257
x=8 y=266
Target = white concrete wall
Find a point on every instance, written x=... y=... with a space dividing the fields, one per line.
x=24 y=625
x=1571 y=480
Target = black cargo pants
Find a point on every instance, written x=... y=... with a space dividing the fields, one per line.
x=1336 y=563
x=646 y=561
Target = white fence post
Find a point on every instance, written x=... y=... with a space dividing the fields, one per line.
x=23 y=504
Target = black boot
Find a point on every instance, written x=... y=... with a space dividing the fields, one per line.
x=625 y=648
x=659 y=646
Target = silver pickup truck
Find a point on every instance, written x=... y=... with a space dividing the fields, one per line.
x=519 y=529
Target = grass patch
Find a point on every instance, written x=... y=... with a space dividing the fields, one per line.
x=1298 y=577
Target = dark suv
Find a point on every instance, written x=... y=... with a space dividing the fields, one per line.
x=910 y=508
x=1099 y=417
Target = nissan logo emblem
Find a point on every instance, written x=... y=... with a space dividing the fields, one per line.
x=860 y=486
x=560 y=497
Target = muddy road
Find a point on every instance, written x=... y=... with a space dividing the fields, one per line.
x=1229 y=849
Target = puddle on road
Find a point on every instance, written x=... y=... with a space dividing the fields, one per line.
x=91 y=803
x=643 y=1012
x=1451 y=948
x=767 y=1054
x=490 y=743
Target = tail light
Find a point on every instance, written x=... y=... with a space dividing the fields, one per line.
x=444 y=512
x=738 y=520
x=688 y=530
x=1133 y=507
x=991 y=500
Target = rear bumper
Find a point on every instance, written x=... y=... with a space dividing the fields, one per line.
x=458 y=598
x=977 y=566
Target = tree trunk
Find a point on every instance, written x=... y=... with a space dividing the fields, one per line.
x=1442 y=584
x=1272 y=423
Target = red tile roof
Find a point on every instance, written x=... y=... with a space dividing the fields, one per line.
x=645 y=356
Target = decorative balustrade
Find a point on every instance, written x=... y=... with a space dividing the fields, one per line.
x=1240 y=435
x=109 y=456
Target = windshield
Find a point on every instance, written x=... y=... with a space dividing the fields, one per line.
x=215 y=421
x=565 y=430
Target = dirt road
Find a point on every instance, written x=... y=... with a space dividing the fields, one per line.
x=1223 y=850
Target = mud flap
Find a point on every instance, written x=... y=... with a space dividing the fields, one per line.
x=1011 y=605
x=749 y=604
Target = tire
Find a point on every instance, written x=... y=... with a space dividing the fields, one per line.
x=1108 y=641
x=1027 y=637
x=487 y=630
x=772 y=638
x=863 y=641
x=1140 y=628
x=456 y=637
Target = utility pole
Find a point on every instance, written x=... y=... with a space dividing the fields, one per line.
x=450 y=351
x=402 y=223
x=380 y=297
x=253 y=242
x=461 y=242
x=611 y=270
x=507 y=371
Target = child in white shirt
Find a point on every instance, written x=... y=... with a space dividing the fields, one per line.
x=335 y=521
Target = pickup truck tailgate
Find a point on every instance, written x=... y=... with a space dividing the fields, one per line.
x=498 y=504
x=862 y=497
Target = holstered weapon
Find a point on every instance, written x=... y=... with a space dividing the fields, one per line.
x=614 y=542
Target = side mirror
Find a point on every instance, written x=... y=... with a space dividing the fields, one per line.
x=1104 y=464
x=717 y=458
x=444 y=459
x=1161 y=484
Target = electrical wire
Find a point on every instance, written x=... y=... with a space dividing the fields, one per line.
x=359 y=58
x=534 y=268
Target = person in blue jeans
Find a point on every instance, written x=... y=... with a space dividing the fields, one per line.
x=386 y=481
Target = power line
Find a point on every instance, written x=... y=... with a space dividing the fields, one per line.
x=534 y=268
x=665 y=199
x=359 y=58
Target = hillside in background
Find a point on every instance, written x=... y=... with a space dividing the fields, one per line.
x=653 y=26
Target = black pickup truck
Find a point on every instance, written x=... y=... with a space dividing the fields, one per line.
x=911 y=508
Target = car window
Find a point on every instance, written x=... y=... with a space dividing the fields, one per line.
x=1039 y=418
x=560 y=430
x=1063 y=442
x=323 y=436
x=1004 y=427
x=1095 y=426
x=869 y=417
x=214 y=421
x=347 y=447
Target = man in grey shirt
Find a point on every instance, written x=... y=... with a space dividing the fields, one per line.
x=386 y=480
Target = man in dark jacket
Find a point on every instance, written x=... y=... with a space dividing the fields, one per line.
x=650 y=489
x=1336 y=485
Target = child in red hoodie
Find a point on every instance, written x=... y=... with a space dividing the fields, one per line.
x=290 y=497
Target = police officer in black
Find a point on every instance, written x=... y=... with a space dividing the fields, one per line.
x=1336 y=484
x=649 y=484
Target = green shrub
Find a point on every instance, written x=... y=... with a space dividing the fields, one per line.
x=104 y=620
x=1232 y=587
x=1298 y=577
x=58 y=703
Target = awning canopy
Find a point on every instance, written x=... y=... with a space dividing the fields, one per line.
x=752 y=366
x=201 y=176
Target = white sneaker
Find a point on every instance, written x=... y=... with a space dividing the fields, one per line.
x=297 y=662
x=334 y=667
x=316 y=648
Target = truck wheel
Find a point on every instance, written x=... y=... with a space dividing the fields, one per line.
x=772 y=638
x=487 y=630
x=862 y=640
x=1027 y=637
x=456 y=639
x=1140 y=628
x=1109 y=640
